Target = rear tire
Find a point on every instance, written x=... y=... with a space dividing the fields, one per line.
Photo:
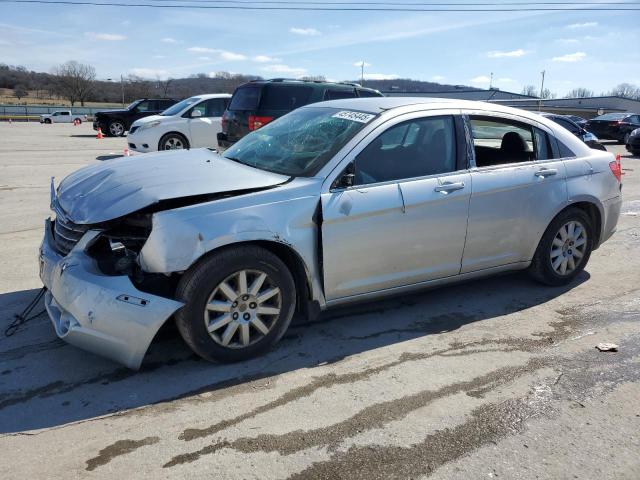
x=238 y=303
x=173 y=141
x=564 y=249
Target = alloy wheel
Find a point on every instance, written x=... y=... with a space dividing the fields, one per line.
x=116 y=129
x=242 y=309
x=568 y=247
x=173 y=143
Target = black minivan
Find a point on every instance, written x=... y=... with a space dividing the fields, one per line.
x=256 y=103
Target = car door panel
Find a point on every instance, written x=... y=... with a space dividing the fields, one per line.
x=204 y=131
x=509 y=209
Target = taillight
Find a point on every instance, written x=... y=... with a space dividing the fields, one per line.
x=616 y=168
x=257 y=122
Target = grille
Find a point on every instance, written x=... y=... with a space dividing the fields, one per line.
x=133 y=129
x=66 y=233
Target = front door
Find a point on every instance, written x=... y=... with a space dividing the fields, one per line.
x=404 y=220
x=205 y=125
x=517 y=187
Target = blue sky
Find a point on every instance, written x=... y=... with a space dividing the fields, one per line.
x=596 y=50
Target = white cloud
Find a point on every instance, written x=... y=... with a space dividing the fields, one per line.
x=511 y=54
x=109 y=37
x=583 y=25
x=570 y=57
x=201 y=50
x=265 y=59
x=231 y=56
x=359 y=64
x=480 y=79
x=224 y=54
x=312 y=32
x=437 y=78
x=205 y=59
x=169 y=40
x=568 y=40
x=285 y=69
x=380 y=76
x=149 y=73
x=505 y=80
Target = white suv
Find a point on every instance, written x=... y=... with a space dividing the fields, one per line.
x=191 y=123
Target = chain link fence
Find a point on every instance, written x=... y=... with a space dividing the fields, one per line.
x=31 y=113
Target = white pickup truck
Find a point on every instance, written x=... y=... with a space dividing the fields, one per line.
x=62 y=116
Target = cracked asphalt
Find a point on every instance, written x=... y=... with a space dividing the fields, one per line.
x=496 y=378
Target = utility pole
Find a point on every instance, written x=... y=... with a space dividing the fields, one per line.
x=541 y=91
x=122 y=88
x=362 y=73
x=491 y=81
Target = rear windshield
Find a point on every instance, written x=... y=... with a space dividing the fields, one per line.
x=285 y=97
x=612 y=116
x=245 y=98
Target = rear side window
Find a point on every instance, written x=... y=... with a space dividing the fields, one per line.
x=285 y=97
x=338 y=94
x=65 y=113
x=368 y=93
x=565 y=152
x=501 y=141
x=245 y=98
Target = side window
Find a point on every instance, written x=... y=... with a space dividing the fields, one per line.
x=144 y=106
x=501 y=141
x=415 y=148
x=65 y=113
x=572 y=127
x=337 y=94
x=368 y=93
x=55 y=114
x=543 y=147
x=215 y=107
x=285 y=97
x=565 y=152
x=200 y=107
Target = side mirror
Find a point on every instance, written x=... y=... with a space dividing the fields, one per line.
x=196 y=113
x=347 y=179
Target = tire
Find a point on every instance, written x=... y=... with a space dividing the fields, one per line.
x=173 y=141
x=115 y=128
x=237 y=307
x=47 y=121
x=542 y=267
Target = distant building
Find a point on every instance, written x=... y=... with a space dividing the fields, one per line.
x=584 y=107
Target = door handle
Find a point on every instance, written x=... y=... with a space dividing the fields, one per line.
x=546 y=172
x=447 y=187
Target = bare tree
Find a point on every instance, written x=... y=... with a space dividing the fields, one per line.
x=547 y=94
x=20 y=91
x=138 y=87
x=164 y=85
x=530 y=90
x=626 y=90
x=580 y=92
x=75 y=81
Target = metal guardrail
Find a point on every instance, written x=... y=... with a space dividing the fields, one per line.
x=31 y=112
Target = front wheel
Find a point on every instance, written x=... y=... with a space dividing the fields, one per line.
x=173 y=141
x=116 y=128
x=238 y=303
x=564 y=249
x=47 y=121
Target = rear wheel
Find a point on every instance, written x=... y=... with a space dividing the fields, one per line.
x=564 y=249
x=238 y=303
x=173 y=141
x=116 y=128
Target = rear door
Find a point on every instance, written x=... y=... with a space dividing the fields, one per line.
x=203 y=130
x=517 y=188
x=62 y=117
x=404 y=220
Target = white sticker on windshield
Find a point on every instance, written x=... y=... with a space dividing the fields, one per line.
x=354 y=116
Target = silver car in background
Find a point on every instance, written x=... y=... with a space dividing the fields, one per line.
x=336 y=202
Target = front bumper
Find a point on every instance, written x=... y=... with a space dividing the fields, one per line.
x=102 y=314
x=143 y=141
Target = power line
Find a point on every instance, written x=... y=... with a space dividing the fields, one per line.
x=575 y=7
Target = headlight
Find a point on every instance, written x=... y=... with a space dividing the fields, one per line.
x=145 y=126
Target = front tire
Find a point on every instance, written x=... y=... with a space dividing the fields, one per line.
x=564 y=249
x=115 y=128
x=47 y=121
x=238 y=303
x=173 y=141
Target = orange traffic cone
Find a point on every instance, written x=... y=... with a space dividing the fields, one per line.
x=126 y=152
x=75 y=122
x=10 y=122
x=99 y=136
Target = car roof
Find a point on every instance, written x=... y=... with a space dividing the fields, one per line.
x=205 y=96
x=312 y=83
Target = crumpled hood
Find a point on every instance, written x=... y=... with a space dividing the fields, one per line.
x=115 y=188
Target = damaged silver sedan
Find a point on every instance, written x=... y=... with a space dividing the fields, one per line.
x=333 y=203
